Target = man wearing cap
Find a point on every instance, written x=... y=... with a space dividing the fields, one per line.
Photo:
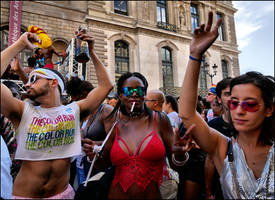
x=210 y=97
x=48 y=135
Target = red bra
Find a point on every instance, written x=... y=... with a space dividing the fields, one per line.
x=140 y=168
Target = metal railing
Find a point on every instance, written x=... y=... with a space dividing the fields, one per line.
x=166 y=26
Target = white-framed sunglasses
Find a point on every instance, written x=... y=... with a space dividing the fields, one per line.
x=34 y=78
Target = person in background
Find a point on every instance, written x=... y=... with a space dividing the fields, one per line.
x=48 y=54
x=216 y=108
x=210 y=98
x=170 y=107
x=245 y=165
x=154 y=100
x=19 y=70
x=6 y=178
x=39 y=58
x=31 y=65
x=7 y=131
x=191 y=176
x=112 y=99
x=221 y=124
x=77 y=90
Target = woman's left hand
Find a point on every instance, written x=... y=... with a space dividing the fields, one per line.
x=183 y=144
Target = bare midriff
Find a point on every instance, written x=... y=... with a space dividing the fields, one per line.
x=41 y=179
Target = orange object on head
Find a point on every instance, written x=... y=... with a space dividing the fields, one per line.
x=46 y=41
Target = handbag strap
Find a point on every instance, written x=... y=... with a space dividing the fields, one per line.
x=98 y=150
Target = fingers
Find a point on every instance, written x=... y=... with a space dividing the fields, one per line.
x=196 y=31
x=209 y=22
x=219 y=22
x=86 y=141
x=188 y=131
x=29 y=38
x=176 y=131
x=202 y=27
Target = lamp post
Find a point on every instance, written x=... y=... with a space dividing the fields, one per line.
x=206 y=70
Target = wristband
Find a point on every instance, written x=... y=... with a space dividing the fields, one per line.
x=195 y=59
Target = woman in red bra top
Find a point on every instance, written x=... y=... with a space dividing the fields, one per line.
x=139 y=143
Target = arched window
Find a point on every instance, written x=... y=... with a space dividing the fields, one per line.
x=167 y=67
x=24 y=55
x=203 y=80
x=224 y=69
x=121 y=58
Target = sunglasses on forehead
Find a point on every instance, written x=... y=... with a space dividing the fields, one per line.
x=249 y=106
x=128 y=91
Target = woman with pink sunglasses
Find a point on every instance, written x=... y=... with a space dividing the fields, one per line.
x=245 y=165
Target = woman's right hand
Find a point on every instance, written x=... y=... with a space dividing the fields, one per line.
x=203 y=37
x=88 y=147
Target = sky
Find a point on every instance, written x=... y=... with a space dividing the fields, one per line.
x=254 y=23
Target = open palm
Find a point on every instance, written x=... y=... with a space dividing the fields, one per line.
x=204 y=37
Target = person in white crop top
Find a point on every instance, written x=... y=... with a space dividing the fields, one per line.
x=48 y=134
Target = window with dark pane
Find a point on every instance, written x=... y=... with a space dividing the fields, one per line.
x=224 y=69
x=121 y=7
x=202 y=77
x=221 y=28
x=161 y=11
x=194 y=16
x=167 y=67
x=121 y=58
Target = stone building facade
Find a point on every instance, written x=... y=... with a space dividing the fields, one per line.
x=151 y=37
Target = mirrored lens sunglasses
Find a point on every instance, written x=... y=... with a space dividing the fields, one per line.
x=128 y=91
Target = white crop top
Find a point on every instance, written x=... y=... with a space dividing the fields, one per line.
x=48 y=133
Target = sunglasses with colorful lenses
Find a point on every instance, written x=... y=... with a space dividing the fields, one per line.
x=128 y=91
x=249 y=106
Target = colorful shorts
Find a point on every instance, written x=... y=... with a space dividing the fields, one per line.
x=67 y=194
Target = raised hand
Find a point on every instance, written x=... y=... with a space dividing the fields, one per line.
x=203 y=37
x=185 y=143
x=27 y=40
x=83 y=35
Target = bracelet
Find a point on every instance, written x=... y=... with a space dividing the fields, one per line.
x=195 y=59
x=180 y=163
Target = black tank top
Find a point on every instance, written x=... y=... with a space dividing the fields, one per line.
x=95 y=131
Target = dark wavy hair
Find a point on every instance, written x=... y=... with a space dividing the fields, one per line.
x=170 y=99
x=120 y=83
x=221 y=85
x=75 y=86
x=267 y=86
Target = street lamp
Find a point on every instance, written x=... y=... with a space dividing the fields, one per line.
x=206 y=70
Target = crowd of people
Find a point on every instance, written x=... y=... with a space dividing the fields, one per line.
x=158 y=146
